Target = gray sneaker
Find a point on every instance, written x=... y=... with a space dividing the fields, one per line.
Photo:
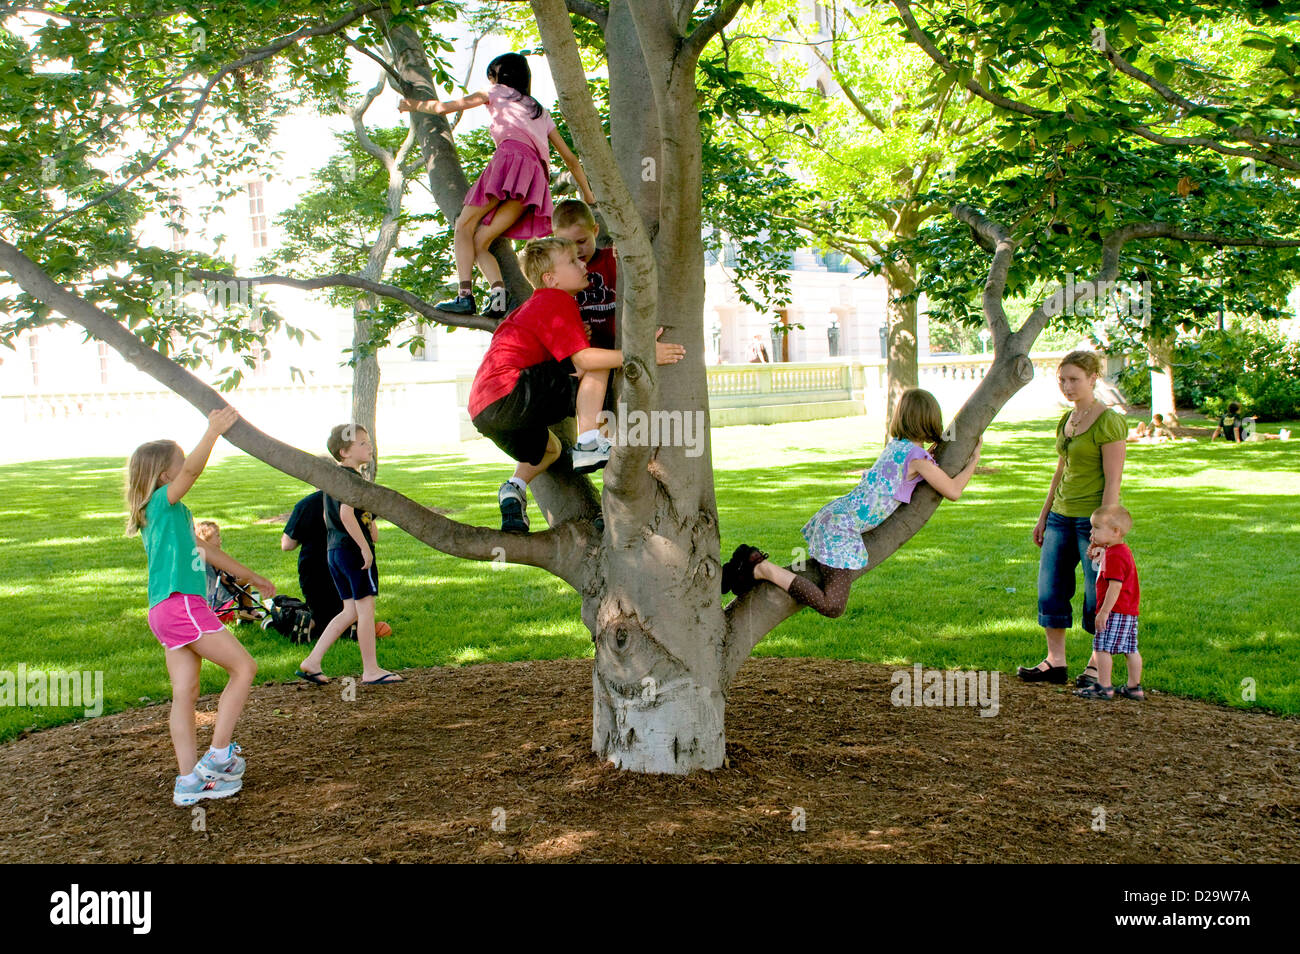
x=514 y=508
x=188 y=793
x=228 y=771
x=592 y=456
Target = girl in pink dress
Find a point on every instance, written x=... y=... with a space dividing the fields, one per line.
x=512 y=197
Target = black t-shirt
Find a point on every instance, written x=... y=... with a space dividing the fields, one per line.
x=307 y=526
x=1230 y=423
x=336 y=535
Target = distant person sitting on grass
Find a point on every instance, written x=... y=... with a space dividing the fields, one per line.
x=1154 y=432
x=158 y=476
x=223 y=598
x=306 y=529
x=1230 y=425
x=350 y=539
x=834 y=534
x=1118 y=596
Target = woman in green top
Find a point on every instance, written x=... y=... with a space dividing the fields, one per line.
x=1090 y=444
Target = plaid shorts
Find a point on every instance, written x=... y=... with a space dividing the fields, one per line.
x=1119 y=636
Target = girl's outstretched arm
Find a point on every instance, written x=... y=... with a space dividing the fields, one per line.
x=440 y=108
x=224 y=561
x=574 y=165
x=219 y=421
x=950 y=487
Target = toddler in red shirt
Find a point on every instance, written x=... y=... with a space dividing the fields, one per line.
x=1117 y=604
x=528 y=380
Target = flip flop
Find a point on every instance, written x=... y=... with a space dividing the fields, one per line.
x=315 y=678
x=387 y=679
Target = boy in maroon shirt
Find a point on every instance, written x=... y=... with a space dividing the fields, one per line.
x=1117 y=604
x=527 y=381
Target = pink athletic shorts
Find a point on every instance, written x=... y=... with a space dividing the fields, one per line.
x=182 y=618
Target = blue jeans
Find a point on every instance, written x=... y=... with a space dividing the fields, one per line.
x=1065 y=546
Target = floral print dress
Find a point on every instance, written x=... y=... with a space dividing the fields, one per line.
x=834 y=534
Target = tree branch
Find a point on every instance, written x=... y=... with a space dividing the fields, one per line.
x=699 y=38
x=560 y=551
x=255 y=56
x=414 y=302
x=1004 y=249
x=593 y=11
x=922 y=40
x=1175 y=98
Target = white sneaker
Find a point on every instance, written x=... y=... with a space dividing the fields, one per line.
x=187 y=793
x=592 y=456
x=210 y=768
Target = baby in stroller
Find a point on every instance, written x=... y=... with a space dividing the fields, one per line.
x=229 y=596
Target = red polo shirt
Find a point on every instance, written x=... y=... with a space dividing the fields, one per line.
x=544 y=328
x=1119 y=566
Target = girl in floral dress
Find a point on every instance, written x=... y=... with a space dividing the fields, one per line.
x=834 y=534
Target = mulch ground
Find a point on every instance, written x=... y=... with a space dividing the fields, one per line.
x=419 y=772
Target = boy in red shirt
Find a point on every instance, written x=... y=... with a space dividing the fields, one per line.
x=527 y=381
x=1117 y=604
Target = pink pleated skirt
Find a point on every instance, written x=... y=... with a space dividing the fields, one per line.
x=515 y=172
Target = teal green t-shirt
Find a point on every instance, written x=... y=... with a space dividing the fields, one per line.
x=1083 y=481
x=175 y=563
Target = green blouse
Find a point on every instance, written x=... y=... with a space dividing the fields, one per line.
x=1083 y=480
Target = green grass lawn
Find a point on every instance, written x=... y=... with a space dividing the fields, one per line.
x=1216 y=540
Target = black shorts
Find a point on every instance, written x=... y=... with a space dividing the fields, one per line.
x=518 y=423
x=352 y=582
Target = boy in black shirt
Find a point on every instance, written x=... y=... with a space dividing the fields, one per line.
x=306 y=528
x=350 y=538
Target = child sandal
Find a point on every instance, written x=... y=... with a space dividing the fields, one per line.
x=1096 y=692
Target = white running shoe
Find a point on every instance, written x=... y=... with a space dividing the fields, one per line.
x=227 y=771
x=189 y=793
x=592 y=456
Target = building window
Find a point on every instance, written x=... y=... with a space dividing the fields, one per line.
x=257 y=214
x=34 y=350
x=103 y=362
x=429 y=351
x=825 y=18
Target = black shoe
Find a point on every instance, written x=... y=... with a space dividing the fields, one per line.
x=460 y=305
x=1083 y=680
x=496 y=314
x=1056 y=675
x=738 y=572
x=514 y=518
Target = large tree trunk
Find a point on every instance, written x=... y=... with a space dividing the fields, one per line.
x=654 y=609
x=1159 y=357
x=902 y=355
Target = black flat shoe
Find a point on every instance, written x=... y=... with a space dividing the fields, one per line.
x=1083 y=680
x=1056 y=675
x=738 y=572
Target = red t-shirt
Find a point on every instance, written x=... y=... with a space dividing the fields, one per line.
x=1119 y=565
x=544 y=328
x=596 y=302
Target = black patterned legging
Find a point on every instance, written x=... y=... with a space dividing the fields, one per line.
x=831 y=598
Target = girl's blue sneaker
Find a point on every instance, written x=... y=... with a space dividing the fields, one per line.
x=228 y=771
x=187 y=793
